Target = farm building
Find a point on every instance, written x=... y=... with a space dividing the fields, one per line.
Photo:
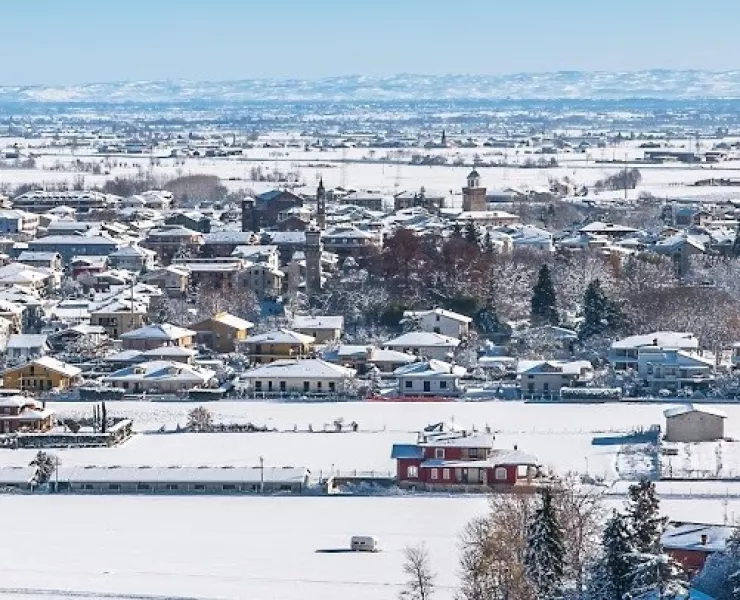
x=692 y=423
x=183 y=480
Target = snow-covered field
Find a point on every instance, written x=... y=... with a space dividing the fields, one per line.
x=560 y=434
x=235 y=548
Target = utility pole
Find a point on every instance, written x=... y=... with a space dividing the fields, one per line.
x=262 y=475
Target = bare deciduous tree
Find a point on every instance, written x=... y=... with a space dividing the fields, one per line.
x=421 y=578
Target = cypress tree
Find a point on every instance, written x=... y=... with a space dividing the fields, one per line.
x=544 y=301
x=544 y=558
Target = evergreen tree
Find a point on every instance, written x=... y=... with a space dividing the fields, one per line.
x=457 y=230
x=544 y=557
x=544 y=301
x=600 y=314
x=471 y=233
x=659 y=575
x=736 y=244
x=488 y=243
x=611 y=577
x=644 y=521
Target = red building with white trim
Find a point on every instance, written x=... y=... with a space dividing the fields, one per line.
x=445 y=460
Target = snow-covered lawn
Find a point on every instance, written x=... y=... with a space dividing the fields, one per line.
x=235 y=548
x=561 y=435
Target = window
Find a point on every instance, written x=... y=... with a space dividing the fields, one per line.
x=445 y=473
x=306 y=386
x=143 y=487
x=442 y=385
x=172 y=487
x=318 y=385
x=472 y=452
x=412 y=472
x=436 y=330
x=199 y=487
x=228 y=487
x=501 y=474
x=87 y=486
x=408 y=384
x=439 y=453
x=114 y=487
x=434 y=474
x=332 y=386
x=282 y=386
x=258 y=386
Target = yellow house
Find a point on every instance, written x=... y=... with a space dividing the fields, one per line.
x=278 y=345
x=119 y=317
x=44 y=373
x=222 y=332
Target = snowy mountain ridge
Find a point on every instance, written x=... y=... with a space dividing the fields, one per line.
x=595 y=85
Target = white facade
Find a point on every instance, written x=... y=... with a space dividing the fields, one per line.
x=423 y=343
x=440 y=321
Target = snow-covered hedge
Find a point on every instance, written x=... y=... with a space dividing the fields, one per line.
x=567 y=393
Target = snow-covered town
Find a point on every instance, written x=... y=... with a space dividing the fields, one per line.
x=418 y=337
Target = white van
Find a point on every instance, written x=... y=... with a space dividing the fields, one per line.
x=364 y=543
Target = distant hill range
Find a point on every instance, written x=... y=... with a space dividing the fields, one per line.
x=658 y=84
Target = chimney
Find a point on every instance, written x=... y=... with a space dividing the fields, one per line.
x=703 y=539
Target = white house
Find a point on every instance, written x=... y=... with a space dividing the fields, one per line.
x=439 y=320
x=692 y=423
x=309 y=376
x=26 y=346
x=424 y=343
x=429 y=378
x=159 y=376
x=624 y=354
x=673 y=369
x=546 y=377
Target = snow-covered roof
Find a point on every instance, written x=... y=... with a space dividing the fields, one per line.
x=685 y=409
x=567 y=367
x=27 y=340
x=662 y=339
x=158 y=331
x=411 y=314
x=422 y=339
x=696 y=536
x=162 y=370
x=229 y=320
x=430 y=369
x=280 y=336
x=180 y=474
x=52 y=364
x=314 y=368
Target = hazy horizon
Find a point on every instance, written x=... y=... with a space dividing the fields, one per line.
x=85 y=41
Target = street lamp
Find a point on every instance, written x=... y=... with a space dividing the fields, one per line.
x=262 y=475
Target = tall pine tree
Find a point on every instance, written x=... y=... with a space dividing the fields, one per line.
x=600 y=314
x=544 y=557
x=643 y=513
x=611 y=577
x=652 y=571
x=544 y=301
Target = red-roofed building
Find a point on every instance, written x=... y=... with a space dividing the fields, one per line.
x=445 y=459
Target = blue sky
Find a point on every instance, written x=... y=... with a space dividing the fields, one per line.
x=81 y=41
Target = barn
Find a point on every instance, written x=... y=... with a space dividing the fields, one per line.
x=692 y=423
